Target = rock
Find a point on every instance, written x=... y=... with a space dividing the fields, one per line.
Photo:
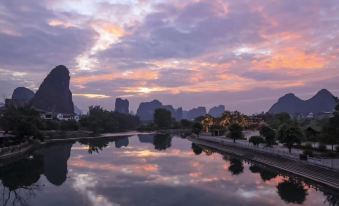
x=323 y=101
x=146 y=110
x=22 y=95
x=122 y=106
x=196 y=112
x=77 y=111
x=54 y=94
x=217 y=111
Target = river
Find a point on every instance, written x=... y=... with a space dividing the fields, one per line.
x=149 y=170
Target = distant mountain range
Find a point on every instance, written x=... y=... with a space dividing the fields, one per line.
x=323 y=101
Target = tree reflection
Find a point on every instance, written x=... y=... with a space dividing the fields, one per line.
x=162 y=141
x=292 y=191
x=265 y=174
x=96 y=145
x=19 y=180
x=236 y=166
x=331 y=199
x=196 y=149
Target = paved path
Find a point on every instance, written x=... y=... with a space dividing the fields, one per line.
x=279 y=150
x=318 y=174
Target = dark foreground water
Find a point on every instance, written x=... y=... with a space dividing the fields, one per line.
x=149 y=170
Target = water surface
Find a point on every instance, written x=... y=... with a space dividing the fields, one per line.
x=149 y=170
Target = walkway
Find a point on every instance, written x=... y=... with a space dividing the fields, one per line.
x=316 y=173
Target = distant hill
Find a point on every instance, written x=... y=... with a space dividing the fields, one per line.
x=217 y=111
x=22 y=95
x=122 y=106
x=323 y=101
x=195 y=112
x=54 y=94
x=146 y=110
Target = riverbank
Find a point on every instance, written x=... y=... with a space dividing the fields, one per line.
x=13 y=153
x=319 y=174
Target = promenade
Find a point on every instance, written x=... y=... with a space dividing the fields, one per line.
x=309 y=170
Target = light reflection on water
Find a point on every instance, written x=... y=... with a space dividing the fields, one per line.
x=148 y=170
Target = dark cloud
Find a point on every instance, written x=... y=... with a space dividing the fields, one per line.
x=187 y=33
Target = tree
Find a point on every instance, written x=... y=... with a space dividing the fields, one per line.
x=311 y=134
x=330 y=132
x=23 y=122
x=235 y=131
x=99 y=120
x=256 y=140
x=290 y=134
x=162 y=118
x=269 y=134
x=197 y=128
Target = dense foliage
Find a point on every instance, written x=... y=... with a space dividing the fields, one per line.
x=22 y=122
x=162 y=118
x=235 y=131
x=99 y=120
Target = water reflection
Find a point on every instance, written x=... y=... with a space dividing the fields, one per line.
x=265 y=173
x=292 y=191
x=150 y=170
x=236 y=166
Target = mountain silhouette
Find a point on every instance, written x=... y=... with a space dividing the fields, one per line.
x=146 y=110
x=217 y=111
x=122 y=106
x=54 y=94
x=22 y=95
x=323 y=101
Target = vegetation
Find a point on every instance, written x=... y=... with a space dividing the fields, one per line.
x=256 y=140
x=235 y=131
x=330 y=133
x=290 y=134
x=99 y=120
x=22 y=122
x=162 y=118
x=269 y=134
x=197 y=128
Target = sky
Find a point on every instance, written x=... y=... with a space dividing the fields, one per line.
x=244 y=54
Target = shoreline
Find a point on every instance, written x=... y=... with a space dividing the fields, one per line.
x=314 y=173
x=16 y=152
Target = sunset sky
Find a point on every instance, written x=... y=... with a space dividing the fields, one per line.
x=243 y=54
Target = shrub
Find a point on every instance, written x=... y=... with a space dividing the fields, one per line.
x=256 y=140
x=322 y=148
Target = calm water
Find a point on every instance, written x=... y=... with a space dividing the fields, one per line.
x=148 y=170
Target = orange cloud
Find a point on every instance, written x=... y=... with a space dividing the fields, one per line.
x=291 y=58
x=128 y=75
